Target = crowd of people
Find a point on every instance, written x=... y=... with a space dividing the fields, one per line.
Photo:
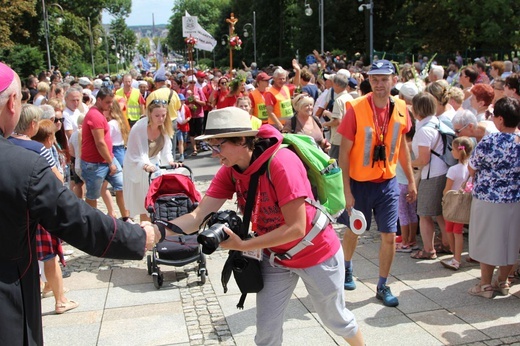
x=380 y=125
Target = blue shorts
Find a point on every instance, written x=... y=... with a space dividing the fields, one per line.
x=181 y=136
x=94 y=174
x=381 y=198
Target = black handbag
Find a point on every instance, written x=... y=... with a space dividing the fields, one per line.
x=247 y=271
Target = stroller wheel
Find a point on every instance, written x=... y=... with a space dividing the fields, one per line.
x=202 y=274
x=158 y=279
x=149 y=264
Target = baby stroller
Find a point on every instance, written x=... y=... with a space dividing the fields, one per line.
x=169 y=196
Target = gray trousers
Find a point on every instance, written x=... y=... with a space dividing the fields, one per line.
x=324 y=282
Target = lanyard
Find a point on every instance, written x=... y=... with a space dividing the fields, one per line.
x=382 y=129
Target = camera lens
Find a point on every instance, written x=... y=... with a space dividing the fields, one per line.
x=211 y=238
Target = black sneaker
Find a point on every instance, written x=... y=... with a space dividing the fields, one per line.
x=384 y=294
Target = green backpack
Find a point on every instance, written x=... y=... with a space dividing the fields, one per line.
x=323 y=171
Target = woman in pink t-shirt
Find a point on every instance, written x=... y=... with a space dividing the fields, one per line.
x=281 y=218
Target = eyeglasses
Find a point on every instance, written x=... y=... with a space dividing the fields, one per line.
x=159 y=102
x=57 y=120
x=462 y=128
x=216 y=148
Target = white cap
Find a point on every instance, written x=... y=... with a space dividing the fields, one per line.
x=344 y=72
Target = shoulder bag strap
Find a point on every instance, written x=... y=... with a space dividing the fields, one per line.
x=250 y=200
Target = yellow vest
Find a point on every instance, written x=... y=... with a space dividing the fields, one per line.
x=133 y=109
x=365 y=141
x=260 y=111
x=283 y=108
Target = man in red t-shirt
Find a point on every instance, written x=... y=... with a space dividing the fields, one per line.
x=97 y=159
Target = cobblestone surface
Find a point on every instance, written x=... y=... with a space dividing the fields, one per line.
x=205 y=320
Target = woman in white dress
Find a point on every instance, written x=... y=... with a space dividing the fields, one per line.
x=149 y=145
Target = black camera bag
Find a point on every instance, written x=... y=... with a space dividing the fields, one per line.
x=247 y=271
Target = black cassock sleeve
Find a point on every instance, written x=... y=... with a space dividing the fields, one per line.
x=64 y=215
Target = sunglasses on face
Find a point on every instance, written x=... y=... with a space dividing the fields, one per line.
x=223 y=83
x=58 y=120
x=216 y=147
x=159 y=102
x=460 y=130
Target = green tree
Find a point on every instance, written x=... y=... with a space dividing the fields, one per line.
x=144 y=46
x=23 y=59
x=12 y=13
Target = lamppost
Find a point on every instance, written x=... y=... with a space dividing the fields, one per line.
x=370 y=8
x=246 y=33
x=46 y=24
x=308 y=13
x=114 y=47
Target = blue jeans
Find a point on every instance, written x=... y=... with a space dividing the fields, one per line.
x=95 y=173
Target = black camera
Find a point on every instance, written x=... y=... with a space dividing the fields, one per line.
x=214 y=235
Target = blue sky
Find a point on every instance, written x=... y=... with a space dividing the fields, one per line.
x=142 y=12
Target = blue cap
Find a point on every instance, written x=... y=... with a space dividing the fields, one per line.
x=352 y=82
x=181 y=97
x=384 y=67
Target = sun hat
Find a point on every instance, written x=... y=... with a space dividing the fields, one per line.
x=228 y=122
x=6 y=76
x=84 y=81
x=382 y=67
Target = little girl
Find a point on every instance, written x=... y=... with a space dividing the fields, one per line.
x=455 y=178
x=183 y=126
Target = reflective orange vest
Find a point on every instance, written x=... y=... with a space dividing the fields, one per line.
x=283 y=107
x=260 y=110
x=365 y=141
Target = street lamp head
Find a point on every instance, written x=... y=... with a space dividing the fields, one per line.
x=308 y=10
x=246 y=33
x=59 y=20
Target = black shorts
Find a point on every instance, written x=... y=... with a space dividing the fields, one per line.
x=73 y=175
x=196 y=126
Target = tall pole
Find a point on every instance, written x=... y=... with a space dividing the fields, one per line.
x=254 y=33
x=91 y=47
x=108 y=52
x=231 y=21
x=322 y=24
x=371 y=25
x=46 y=25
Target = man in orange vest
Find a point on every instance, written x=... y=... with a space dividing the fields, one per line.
x=278 y=97
x=257 y=97
x=373 y=141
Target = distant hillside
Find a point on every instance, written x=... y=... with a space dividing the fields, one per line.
x=146 y=30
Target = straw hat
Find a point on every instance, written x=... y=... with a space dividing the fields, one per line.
x=228 y=122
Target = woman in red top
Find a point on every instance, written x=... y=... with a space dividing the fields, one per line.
x=218 y=95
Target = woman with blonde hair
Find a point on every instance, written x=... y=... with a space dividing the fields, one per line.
x=305 y=122
x=119 y=129
x=41 y=97
x=149 y=146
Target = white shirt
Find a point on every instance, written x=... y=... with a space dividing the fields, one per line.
x=427 y=136
x=115 y=133
x=458 y=173
x=338 y=112
x=70 y=119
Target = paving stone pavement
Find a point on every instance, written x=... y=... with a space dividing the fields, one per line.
x=435 y=308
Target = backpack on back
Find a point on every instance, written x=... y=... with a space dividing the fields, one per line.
x=447 y=135
x=323 y=172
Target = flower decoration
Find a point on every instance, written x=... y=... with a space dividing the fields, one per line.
x=235 y=42
x=190 y=41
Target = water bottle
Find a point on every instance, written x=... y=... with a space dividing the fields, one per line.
x=157 y=172
x=333 y=167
